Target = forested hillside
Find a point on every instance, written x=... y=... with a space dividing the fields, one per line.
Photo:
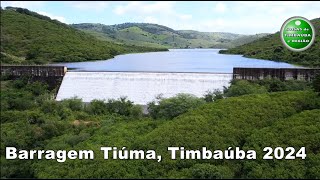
x=30 y=38
x=155 y=35
x=271 y=47
x=249 y=115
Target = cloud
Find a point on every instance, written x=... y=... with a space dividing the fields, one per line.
x=23 y=4
x=59 y=18
x=150 y=19
x=256 y=17
x=32 y=5
x=89 y=5
x=185 y=16
x=248 y=17
x=160 y=9
x=239 y=17
x=220 y=8
x=139 y=7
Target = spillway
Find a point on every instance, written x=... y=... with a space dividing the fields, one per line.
x=139 y=87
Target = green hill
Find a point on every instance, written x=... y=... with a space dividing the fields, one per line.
x=155 y=35
x=28 y=38
x=271 y=47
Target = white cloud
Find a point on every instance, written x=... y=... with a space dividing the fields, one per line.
x=247 y=17
x=59 y=18
x=185 y=16
x=150 y=19
x=164 y=9
x=32 y=5
x=220 y=7
x=257 y=17
x=23 y=4
x=242 y=17
x=140 y=7
x=89 y=5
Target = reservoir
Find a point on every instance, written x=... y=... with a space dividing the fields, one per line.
x=176 y=60
x=143 y=76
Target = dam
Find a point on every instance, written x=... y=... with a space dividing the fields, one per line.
x=139 y=87
x=143 y=87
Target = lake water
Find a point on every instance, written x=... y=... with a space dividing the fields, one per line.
x=143 y=76
x=176 y=60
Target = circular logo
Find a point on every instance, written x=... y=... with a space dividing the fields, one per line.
x=297 y=33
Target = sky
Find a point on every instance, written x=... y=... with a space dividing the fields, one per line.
x=247 y=17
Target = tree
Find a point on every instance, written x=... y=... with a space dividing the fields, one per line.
x=208 y=171
x=75 y=104
x=97 y=107
x=316 y=83
x=168 y=108
x=32 y=54
x=211 y=96
x=242 y=87
x=121 y=106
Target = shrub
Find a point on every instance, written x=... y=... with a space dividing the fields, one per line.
x=97 y=107
x=211 y=96
x=208 y=171
x=35 y=117
x=275 y=84
x=50 y=107
x=316 y=83
x=121 y=106
x=65 y=113
x=168 y=108
x=242 y=87
x=75 y=104
x=37 y=88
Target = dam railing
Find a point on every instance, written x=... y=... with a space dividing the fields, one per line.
x=238 y=72
x=51 y=75
x=306 y=74
x=33 y=70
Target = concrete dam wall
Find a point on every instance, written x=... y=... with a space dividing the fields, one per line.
x=139 y=87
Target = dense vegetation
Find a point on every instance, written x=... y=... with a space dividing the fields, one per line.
x=154 y=35
x=30 y=38
x=250 y=115
x=271 y=47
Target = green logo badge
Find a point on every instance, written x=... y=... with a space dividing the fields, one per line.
x=297 y=33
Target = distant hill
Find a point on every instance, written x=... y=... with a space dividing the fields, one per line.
x=30 y=38
x=155 y=35
x=271 y=47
